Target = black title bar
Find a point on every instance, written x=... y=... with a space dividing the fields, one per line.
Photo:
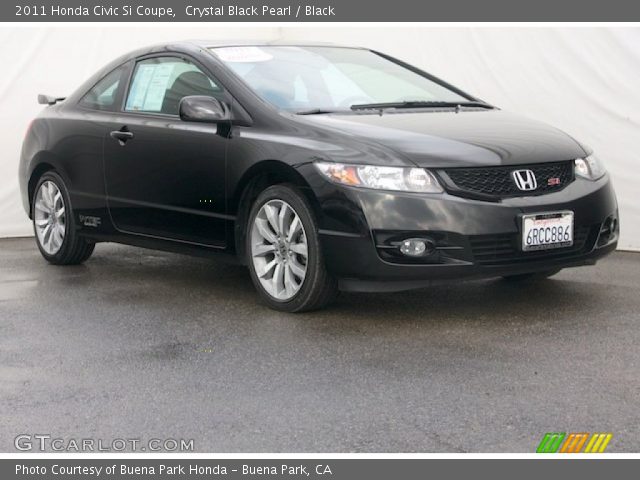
x=316 y=469
x=319 y=11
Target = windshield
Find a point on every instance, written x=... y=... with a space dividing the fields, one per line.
x=329 y=78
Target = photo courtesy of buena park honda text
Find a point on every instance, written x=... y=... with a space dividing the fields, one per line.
x=291 y=239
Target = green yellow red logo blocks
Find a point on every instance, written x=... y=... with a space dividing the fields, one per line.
x=574 y=443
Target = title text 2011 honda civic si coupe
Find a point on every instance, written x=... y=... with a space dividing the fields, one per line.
x=320 y=167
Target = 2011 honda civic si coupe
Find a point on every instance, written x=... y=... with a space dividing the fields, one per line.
x=320 y=167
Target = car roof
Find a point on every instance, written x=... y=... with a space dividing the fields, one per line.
x=264 y=43
x=191 y=45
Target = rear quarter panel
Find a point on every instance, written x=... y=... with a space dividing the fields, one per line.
x=69 y=141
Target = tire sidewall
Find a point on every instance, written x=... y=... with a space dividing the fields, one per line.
x=300 y=205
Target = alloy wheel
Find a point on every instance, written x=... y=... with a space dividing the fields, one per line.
x=279 y=249
x=49 y=217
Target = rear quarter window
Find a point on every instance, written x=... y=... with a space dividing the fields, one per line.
x=103 y=95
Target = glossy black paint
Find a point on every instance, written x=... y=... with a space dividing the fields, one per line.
x=161 y=182
x=203 y=109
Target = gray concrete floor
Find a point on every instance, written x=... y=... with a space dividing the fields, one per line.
x=141 y=344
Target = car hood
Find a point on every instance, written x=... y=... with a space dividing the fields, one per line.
x=450 y=139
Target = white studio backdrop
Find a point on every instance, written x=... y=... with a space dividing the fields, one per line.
x=585 y=81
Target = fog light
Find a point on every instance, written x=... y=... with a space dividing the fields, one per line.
x=413 y=247
x=608 y=231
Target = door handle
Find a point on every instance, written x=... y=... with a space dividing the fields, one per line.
x=121 y=135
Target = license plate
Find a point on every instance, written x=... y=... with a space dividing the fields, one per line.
x=543 y=231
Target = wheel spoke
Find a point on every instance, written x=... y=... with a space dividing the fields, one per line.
x=60 y=232
x=40 y=205
x=57 y=198
x=299 y=248
x=267 y=268
x=290 y=284
x=263 y=249
x=297 y=269
x=56 y=237
x=44 y=194
x=294 y=228
x=277 y=279
x=46 y=232
x=51 y=194
x=265 y=231
x=42 y=222
x=47 y=238
x=272 y=216
x=282 y=219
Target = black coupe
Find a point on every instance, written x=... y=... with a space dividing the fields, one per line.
x=320 y=167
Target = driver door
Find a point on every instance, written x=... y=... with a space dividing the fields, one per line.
x=165 y=177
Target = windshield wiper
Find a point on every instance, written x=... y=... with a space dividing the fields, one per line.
x=419 y=104
x=317 y=111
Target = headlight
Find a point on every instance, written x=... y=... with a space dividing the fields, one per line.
x=399 y=179
x=590 y=167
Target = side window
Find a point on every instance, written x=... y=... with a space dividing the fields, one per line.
x=160 y=83
x=103 y=94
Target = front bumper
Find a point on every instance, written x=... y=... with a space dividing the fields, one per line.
x=473 y=238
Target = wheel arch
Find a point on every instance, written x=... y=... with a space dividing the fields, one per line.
x=41 y=162
x=257 y=178
x=40 y=169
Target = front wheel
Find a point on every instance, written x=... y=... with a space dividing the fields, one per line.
x=283 y=247
x=53 y=223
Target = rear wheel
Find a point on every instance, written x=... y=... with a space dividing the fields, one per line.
x=53 y=223
x=283 y=248
x=531 y=277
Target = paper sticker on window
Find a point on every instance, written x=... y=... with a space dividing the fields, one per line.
x=242 y=54
x=149 y=87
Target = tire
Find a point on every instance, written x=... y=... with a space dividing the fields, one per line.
x=275 y=255
x=62 y=245
x=531 y=277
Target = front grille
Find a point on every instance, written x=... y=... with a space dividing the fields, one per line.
x=498 y=182
x=505 y=248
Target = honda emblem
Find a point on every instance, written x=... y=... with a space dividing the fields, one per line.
x=525 y=180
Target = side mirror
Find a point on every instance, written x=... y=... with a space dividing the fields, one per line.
x=203 y=109
x=49 y=99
